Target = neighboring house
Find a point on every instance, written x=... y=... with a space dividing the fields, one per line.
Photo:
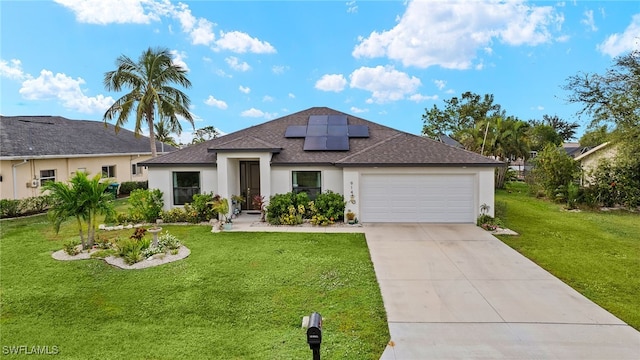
x=385 y=175
x=37 y=149
x=574 y=149
x=589 y=160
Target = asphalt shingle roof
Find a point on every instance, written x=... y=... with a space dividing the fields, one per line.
x=37 y=136
x=384 y=146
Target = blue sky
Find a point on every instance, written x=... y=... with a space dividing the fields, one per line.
x=251 y=62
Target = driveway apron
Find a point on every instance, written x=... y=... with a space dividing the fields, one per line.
x=454 y=291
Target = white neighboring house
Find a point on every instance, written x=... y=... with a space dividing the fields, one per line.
x=37 y=149
x=385 y=175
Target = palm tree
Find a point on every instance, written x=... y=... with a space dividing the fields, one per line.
x=83 y=198
x=163 y=133
x=150 y=80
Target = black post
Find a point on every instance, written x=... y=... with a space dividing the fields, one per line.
x=314 y=334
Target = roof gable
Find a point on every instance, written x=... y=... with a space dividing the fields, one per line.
x=51 y=136
x=384 y=146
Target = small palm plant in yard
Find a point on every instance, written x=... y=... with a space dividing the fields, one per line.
x=84 y=199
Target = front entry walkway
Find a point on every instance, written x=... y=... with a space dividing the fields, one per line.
x=457 y=292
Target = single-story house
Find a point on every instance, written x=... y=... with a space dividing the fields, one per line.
x=37 y=149
x=385 y=175
x=590 y=159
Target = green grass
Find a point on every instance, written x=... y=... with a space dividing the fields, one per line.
x=238 y=296
x=596 y=253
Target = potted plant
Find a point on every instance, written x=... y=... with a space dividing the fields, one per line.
x=258 y=202
x=351 y=217
x=221 y=206
x=236 y=201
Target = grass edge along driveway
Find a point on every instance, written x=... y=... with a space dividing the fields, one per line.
x=238 y=296
x=595 y=252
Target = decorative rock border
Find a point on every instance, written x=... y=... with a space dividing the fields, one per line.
x=155 y=260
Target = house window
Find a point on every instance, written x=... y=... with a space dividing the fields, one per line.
x=307 y=181
x=47 y=176
x=136 y=170
x=185 y=185
x=109 y=171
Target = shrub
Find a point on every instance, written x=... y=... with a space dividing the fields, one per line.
x=202 y=205
x=71 y=247
x=175 y=215
x=130 y=250
x=278 y=208
x=168 y=241
x=146 y=204
x=138 y=234
x=553 y=170
x=9 y=208
x=127 y=187
x=330 y=205
x=102 y=242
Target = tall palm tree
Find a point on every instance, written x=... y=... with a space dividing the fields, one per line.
x=150 y=80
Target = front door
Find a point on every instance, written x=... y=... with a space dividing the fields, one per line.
x=249 y=183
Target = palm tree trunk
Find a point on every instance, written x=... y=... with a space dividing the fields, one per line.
x=80 y=231
x=90 y=229
x=152 y=135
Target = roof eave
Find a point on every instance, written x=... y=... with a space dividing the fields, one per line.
x=271 y=150
x=181 y=164
x=463 y=165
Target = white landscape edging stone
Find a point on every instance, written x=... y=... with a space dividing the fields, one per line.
x=155 y=260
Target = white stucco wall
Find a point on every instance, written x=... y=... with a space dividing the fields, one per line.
x=162 y=178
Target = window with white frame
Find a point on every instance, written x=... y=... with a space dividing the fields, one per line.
x=47 y=176
x=307 y=181
x=109 y=171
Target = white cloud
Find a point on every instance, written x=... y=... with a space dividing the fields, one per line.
x=440 y=84
x=240 y=42
x=255 y=113
x=449 y=34
x=212 y=101
x=279 y=69
x=104 y=12
x=243 y=89
x=356 y=110
x=267 y=98
x=292 y=96
x=351 y=7
x=12 y=69
x=617 y=44
x=178 y=59
x=235 y=64
x=66 y=89
x=385 y=83
x=539 y=108
x=588 y=20
x=331 y=82
x=421 y=98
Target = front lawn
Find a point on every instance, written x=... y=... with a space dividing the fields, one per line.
x=238 y=296
x=596 y=253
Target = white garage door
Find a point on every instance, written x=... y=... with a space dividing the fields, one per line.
x=417 y=198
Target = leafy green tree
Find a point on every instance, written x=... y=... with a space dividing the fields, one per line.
x=84 y=199
x=459 y=114
x=612 y=97
x=564 y=129
x=554 y=170
x=150 y=80
x=541 y=135
x=204 y=134
x=595 y=137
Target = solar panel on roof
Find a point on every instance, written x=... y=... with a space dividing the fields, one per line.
x=337 y=143
x=318 y=120
x=315 y=143
x=337 y=130
x=337 y=120
x=317 y=130
x=359 y=131
x=296 y=131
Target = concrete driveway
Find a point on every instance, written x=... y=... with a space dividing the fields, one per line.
x=457 y=292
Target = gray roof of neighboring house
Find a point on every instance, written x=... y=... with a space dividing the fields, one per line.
x=384 y=147
x=55 y=136
x=449 y=141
